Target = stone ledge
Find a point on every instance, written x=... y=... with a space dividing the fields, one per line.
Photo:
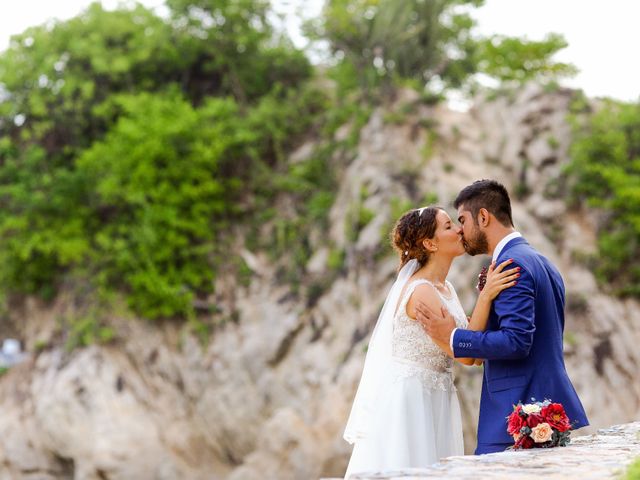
x=606 y=454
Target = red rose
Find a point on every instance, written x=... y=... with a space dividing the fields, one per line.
x=555 y=416
x=524 y=441
x=515 y=422
x=482 y=278
x=528 y=442
x=534 y=420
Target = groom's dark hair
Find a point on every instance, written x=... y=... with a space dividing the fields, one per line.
x=487 y=194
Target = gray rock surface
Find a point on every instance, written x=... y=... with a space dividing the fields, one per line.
x=606 y=454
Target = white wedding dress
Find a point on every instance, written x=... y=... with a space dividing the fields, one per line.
x=417 y=420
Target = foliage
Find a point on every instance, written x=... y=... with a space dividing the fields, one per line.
x=633 y=472
x=55 y=77
x=385 y=44
x=87 y=330
x=133 y=147
x=517 y=60
x=157 y=181
x=129 y=143
x=378 y=41
x=335 y=262
x=606 y=171
x=231 y=49
x=308 y=188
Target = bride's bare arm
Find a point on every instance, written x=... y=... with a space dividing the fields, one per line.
x=446 y=348
x=497 y=280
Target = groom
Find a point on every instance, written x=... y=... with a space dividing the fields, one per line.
x=522 y=345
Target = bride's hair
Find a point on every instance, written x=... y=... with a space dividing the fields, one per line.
x=409 y=232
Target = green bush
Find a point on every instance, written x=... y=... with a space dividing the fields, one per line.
x=633 y=472
x=87 y=330
x=130 y=144
x=605 y=173
x=382 y=45
x=163 y=178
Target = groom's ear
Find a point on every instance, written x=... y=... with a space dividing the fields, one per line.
x=483 y=217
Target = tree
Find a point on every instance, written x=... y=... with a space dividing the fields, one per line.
x=163 y=203
x=128 y=142
x=514 y=60
x=387 y=42
x=55 y=77
x=232 y=48
x=386 y=39
x=605 y=173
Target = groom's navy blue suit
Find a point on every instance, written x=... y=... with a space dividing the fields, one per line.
x=522 y=347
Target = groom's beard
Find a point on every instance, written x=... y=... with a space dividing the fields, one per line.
x=477 y=245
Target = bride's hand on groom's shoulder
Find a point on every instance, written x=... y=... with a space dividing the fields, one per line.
x=499 y=279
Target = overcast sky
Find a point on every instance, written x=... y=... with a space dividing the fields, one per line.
x=602 y=34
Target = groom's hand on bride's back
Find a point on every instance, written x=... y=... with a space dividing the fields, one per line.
x=438 y=325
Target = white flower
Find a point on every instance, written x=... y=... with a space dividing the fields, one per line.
x=530 y=408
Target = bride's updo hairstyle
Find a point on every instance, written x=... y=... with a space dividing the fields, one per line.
x=409 y=232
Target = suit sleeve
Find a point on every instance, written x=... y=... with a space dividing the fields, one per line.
x=515 y=308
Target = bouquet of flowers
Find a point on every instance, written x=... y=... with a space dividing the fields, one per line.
x=539 y=425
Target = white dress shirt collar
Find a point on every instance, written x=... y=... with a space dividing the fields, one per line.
x=502 y=243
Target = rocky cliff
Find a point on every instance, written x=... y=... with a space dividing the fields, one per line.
x=269 y=395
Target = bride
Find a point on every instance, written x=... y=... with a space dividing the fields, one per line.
x=406 y=412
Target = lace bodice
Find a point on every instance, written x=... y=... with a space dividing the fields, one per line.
x=414 y=351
